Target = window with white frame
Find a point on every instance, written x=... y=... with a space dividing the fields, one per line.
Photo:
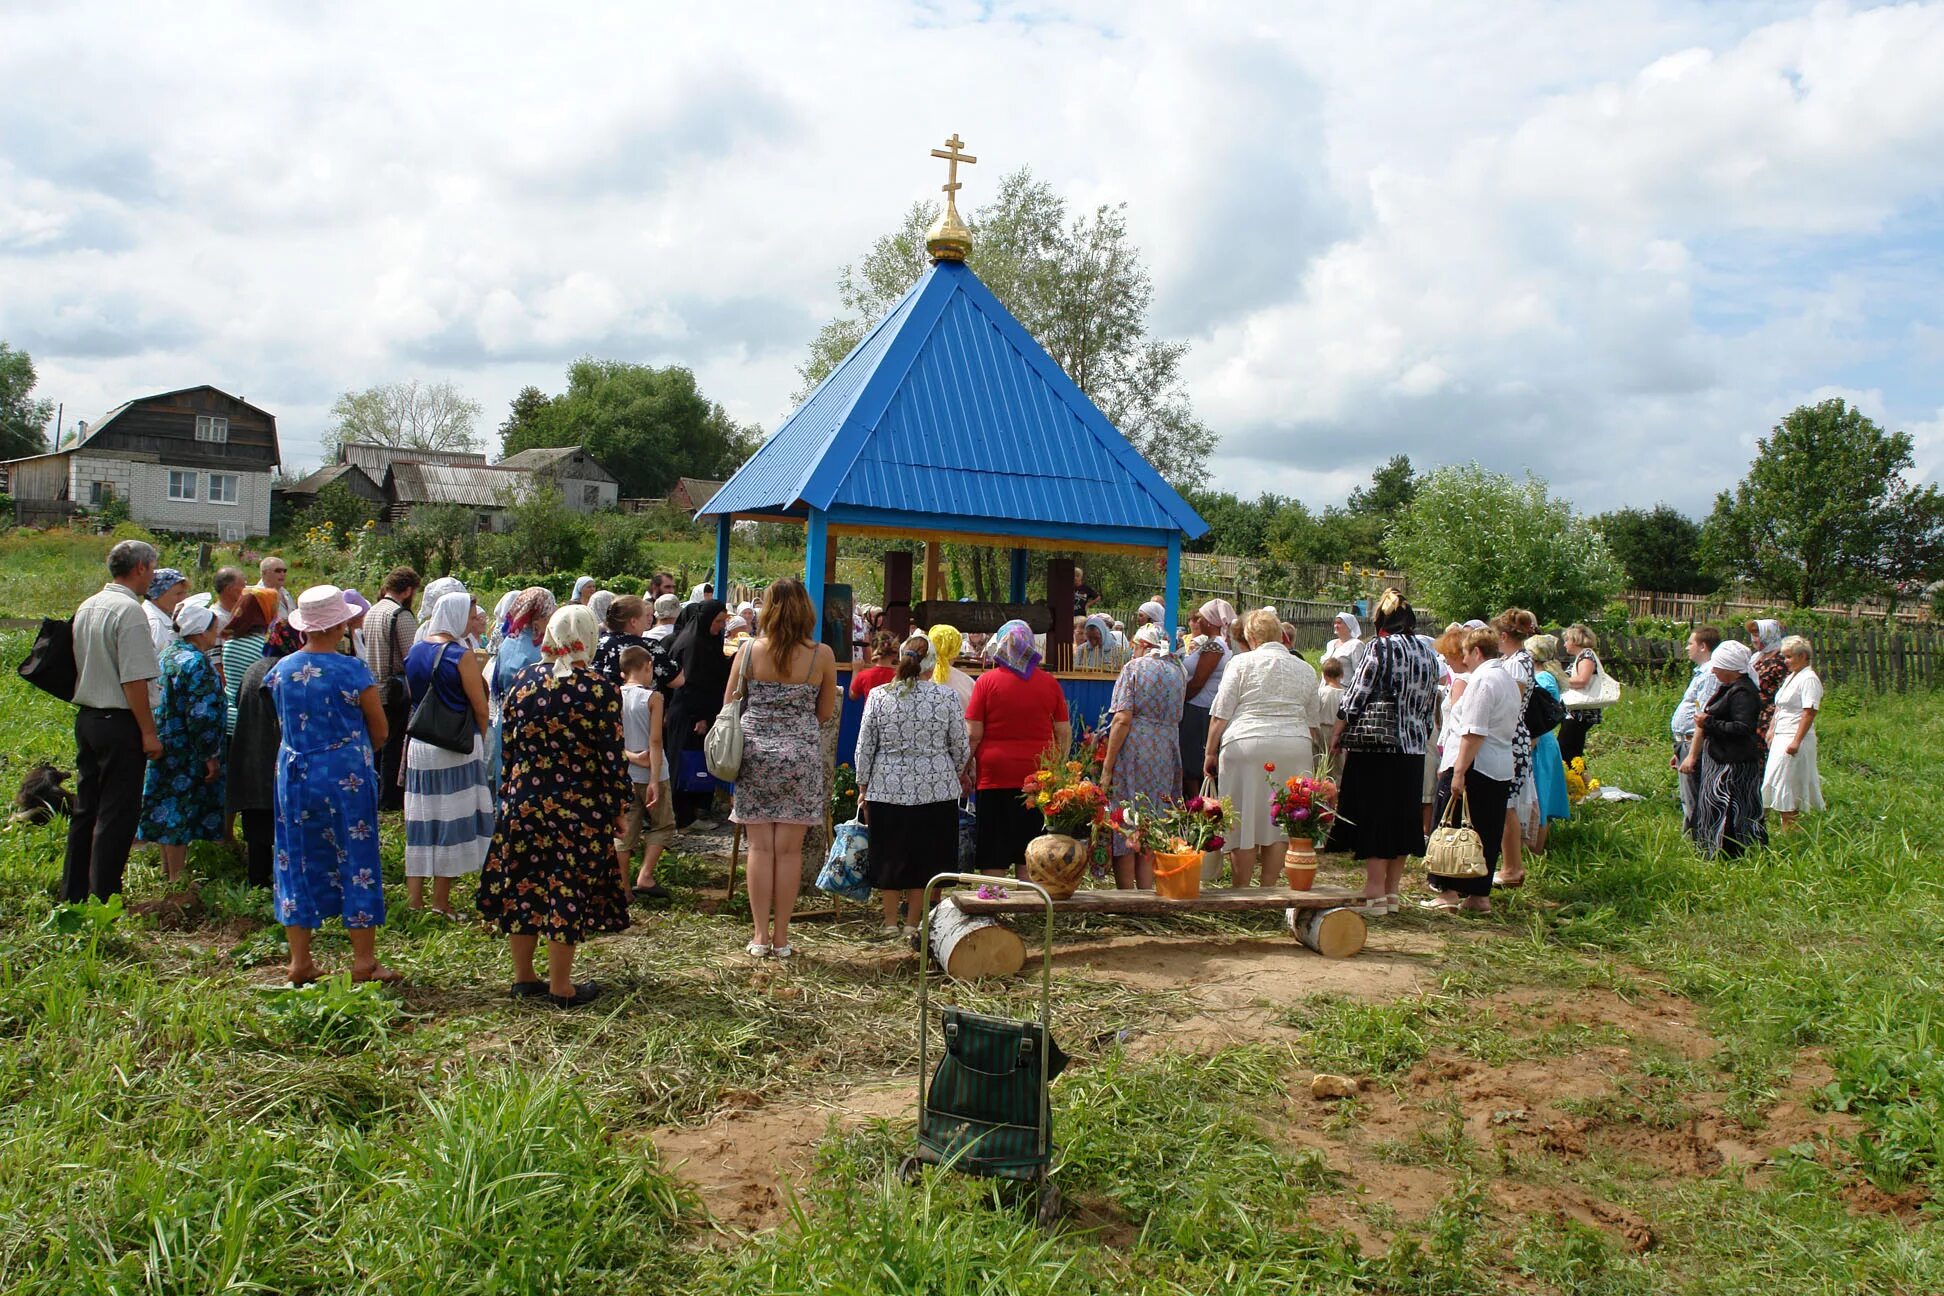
x=222 y=488
x=182 y=486
x=210 y=428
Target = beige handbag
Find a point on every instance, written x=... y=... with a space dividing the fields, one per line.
x=1455 y=850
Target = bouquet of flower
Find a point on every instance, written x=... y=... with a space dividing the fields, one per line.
x=1578 y=785
x=1067 y=796
x=1303 y=806
x=1174 y=827
x=843 y=795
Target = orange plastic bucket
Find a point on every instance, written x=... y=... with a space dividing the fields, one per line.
x=1177 y=877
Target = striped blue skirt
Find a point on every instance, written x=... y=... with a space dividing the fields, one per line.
x=448 y=810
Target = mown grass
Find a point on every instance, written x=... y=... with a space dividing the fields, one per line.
x=166 y=1125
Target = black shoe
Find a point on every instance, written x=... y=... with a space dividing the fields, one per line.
x=527 y=990
x=657 y=893
x=584 y=993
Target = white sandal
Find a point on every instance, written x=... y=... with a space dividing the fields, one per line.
x=757 y=950
x=783 y=952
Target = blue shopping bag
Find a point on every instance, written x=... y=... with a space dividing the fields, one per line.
x=692 y=774
x=845 y=871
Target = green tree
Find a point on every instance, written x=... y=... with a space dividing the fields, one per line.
x=337 y=505
x=414 y=415
x=1077 y=284
x=1826 y=511
x=523 y=419
x=1391 y=490
x=1236 y=526
x=1477 y=541
x=1659 y=549
x=648 y=426
x=23 y=420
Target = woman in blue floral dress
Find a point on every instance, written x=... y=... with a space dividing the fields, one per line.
x=182 y=796
x=1143 y=756
x=327 y=790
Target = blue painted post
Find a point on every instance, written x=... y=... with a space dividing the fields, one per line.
x=816 y=532
x=1173 y=597
x=721 y=581
x=1017 y=591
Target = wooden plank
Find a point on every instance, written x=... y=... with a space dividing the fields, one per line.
x=981 y=618
x=1106 y=901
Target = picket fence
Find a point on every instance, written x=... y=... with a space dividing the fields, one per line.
x=1899 y=659
x=1726 y=612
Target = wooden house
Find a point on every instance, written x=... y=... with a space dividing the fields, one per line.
x=195 y=460
x=689 y=494
x=302 y=493
x=584 y=485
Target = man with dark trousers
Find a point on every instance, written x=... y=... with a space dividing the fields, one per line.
x=389 y=631
x=114 y=726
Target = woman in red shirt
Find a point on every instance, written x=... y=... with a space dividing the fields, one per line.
x=884 y=655
x=1017 y=711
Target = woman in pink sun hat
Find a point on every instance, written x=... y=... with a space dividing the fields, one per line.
x=326 y=862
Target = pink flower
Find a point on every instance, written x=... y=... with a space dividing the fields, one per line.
x=1300 y=814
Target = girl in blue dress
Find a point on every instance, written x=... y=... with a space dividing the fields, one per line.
x=182 y=794
x=1548 y=768
x=327 y=790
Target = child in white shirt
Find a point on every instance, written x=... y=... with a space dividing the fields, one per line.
x=649 y=796
x=1329 y=694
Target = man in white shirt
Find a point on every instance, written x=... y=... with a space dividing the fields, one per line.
x=275 y=573
x=114 y=724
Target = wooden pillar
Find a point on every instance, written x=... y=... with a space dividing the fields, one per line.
x=1059 y=602
x=934 y=570
x=815 y=538
x=897 y=592
x=721 y=581
x=1171 y=600
x=1017 y=591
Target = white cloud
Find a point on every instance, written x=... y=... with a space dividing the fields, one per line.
x=1545 y=235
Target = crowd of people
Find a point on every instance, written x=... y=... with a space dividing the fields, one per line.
x=554 y=751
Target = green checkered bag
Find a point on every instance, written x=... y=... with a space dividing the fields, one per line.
x=984 y=1104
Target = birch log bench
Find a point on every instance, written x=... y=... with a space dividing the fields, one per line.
x=1325 y=920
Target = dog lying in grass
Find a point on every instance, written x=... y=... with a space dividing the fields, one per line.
x=41 y=796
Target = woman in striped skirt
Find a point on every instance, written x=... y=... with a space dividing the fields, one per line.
x=448 y=802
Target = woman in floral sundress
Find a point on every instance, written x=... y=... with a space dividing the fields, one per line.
x=782 y=788
x=182 y=795
x=550 y=872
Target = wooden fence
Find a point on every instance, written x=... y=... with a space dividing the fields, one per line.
x=1728 y=612
x=1898 y=659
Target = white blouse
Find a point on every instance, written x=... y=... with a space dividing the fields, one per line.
x=1198 y=648
x=1802 y=691
x=1266 y=691
x=1491 y=709
x=911 y=744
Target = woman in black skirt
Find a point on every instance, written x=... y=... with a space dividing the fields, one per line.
x=1384 y=723
x=1478 y=767
x=912 y=755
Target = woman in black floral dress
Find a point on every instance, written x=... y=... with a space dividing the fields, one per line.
x=550 y=872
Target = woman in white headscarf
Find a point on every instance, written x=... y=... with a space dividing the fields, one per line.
x=435 y=591
x=448 y=798
x=1347 y=644
x=1142 y=762
x=599 y=602
x=1150 y=613
x=550 y=873
x=584 y=587
x=1203 y=661
x=1765 y=665
x=1728 y=752
x=1096 y=649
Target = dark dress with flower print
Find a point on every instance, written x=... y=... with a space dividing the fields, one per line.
x=551 y=871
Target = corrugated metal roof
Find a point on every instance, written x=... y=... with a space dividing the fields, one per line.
x=474 y=485
x=323 y=477
x=375 y=458
x=950 y=407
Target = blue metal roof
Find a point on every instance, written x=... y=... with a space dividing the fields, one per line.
x=949 y=407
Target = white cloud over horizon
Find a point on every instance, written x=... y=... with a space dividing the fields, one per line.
x=1609 y=244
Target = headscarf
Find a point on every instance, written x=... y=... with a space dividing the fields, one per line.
x=1219 y=613
x=695 y=595
x=1156 y=639
x=1348 y=620
x=1153 y=611
x=945 y=642
x=1014 y=647
x=581 y=585
x=1730 y=655
x=599 y=602
x=1769 y=633
x=164 y=580
x=1476 y=624
x=448 y=616
x=283 y=640
x=534 y=603
x=435 y=591
x=667 y=608
x=191 y=621
x=570 y=639
x=1104 y=628
x=736 y=625
x=504 y=606
x=698 y=654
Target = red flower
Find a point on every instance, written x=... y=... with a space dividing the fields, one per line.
x=1214 y=843
x=1269 y=766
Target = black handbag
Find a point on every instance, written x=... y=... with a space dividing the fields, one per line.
x=437 y=721
x=50 y=665
x=393 y=692
x=1543 y=712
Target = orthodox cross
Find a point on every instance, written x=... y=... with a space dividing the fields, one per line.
x=953 y=157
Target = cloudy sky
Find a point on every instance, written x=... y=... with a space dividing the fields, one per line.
x=1611 y=243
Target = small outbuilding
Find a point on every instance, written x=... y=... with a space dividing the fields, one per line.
x=584 y=484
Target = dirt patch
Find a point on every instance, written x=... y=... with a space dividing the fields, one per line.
x=1865 y=1198
x=743 y=1161
x=177 y=911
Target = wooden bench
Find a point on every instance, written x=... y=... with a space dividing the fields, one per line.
x=1325 y=920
